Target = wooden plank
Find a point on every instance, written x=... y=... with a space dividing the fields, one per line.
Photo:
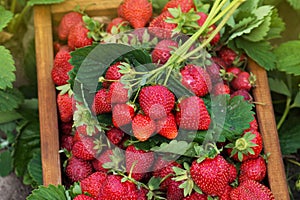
x=47 y=96
x=267 y=125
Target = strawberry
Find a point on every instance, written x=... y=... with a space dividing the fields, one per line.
x=120 y=11
x=196 y=196
x=66 y=128
x=83 y=197
x=211 y=175
x=192 y=114
x=115 y=135
x=122 y=114
x=66 y=142
x=167 y=127
x=141 y=160
x=185 y=5
x=137 y=12
x=117 y=25
x=112 y=74
x=253 y=125
x=232 y=172
x=173 y=190
x=117 y=93
x=78 y=37
x=242 y=92
x=65 y=107
x=82 y=129
x=103 y=158
x=230 y=57
x=243 y=81
x=67 y=22
x=220 y=88
x=162 y=51
x=93 y=183
x=253 y=169
x=114 y=188
x=142 y=194
x=61 y=67
x=233 y=70
x=251 y=190
x=160 y=28
x=201 y=21
x=163 y=168
x=84 y=149
x=143 y=127
x=226 y=193
x=247 y=147
x=101 y=102
x=78 y=169
x=214 y=72
x=196 y=79
x=156 y=101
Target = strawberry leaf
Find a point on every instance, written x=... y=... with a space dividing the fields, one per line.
x=175 y=147
x=7 y=67
x=279 y=86
x=35 y=168
x=295 y=4
x=50 y=192
x=276 y=27
x=5 y=162
x=43 y=2
x=5 y=17
x=296 y=101
x=10 y=99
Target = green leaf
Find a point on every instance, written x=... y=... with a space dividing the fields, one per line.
x=176 y=147
x=5 y=163
x=296 y=101
x=260 y=32
x=289 y=134
x=295 y=4
x=249 y=5
x=259 y=52
x=35 y=168
x=48 y=193
x=279 y=86
x=244 y=26
x=10 y=99
x=288 y=57
x=9 y=116
x=154 y=183
x=5 y=17
x=7 y=68
x=43 y=2
x=158 y=5
x=276 y=27
x=231 y=115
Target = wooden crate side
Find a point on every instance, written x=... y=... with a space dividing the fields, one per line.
x=267 y=125
x=47 y=96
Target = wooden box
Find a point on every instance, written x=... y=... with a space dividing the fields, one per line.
x=46 y=16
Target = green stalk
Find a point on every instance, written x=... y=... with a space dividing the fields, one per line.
x=13 y=6
x=14 y=26
x=285 y=113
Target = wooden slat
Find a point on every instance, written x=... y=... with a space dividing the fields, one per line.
x=46 y=96
x=267 y=126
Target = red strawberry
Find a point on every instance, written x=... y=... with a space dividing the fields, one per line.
x=142 y=194
x=196 y=79
x=61 y=67
x=243 y=81
x=115 y=135
x=220 y=88
x=117 y=93
x=253 y=169
x=163 y=168
x=78 y=169
x=214 y=72
x=234 y=70
x=66 y=128
x=82 y=129
x=67 y=22
x=230 y=57
x=93 y=183
x=117 y=25
x=122 y=114
x=167 y=127
x=66 y=142
x=253 y=125
x=251 y=190
x=143 y=127
x=103 y=158
x=196 y=196
x=65 y=107
x=83 y=197
x=247 y=147
x=112 y=74
x=78 y=37
x=137 y=12
x=211 y=175
x=185 y=5
x=247 y=96
x=84 y=149
x=173 y=190
x=226 y=193
x=192 y=114
x=162 y=51
x=160 y=28
x=201 y=21
x=101 y=102
x=232 y=172
x=156 y=101
x=114 y=188
x=141 y=160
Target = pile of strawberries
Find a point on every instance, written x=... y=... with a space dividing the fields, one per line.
x=116 y=159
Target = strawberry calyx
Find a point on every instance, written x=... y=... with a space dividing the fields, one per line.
x=96 y=29
x=252 y=79
x=243 y=146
